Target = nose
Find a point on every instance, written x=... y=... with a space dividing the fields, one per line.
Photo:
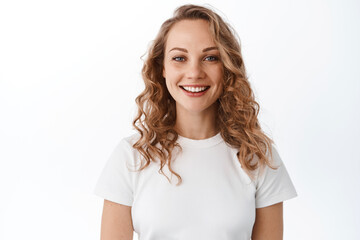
x=195 y=70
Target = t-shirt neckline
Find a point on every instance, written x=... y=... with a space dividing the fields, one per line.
x=200 y=143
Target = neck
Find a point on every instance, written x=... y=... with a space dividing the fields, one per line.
x=197 y=125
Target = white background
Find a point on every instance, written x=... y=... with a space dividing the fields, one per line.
x=70 y=71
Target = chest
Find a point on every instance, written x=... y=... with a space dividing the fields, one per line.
x=215 y=198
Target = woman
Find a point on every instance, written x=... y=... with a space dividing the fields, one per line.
x=197 y=115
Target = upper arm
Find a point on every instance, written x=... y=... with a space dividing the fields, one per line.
x=268 y=223
x=116 y=223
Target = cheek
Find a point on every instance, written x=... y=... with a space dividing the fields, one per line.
x=218 y=75
x=219 y=91
x=172 y=74
x=170 y=84
x=166 y=70
x=219 y=80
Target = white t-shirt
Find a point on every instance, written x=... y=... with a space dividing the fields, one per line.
x=216 y=200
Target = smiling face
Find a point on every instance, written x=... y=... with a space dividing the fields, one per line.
x=192 y=67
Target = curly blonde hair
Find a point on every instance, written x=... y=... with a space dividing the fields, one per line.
x=237 y=108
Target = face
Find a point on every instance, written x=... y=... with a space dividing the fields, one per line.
x=192 y=67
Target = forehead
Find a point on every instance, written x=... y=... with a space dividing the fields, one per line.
x=190 y=34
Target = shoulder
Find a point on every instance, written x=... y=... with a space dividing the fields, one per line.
x=273 y=157
x=264 y=169
x=130 y=139
x=274 y=185
x=124 y=147
x=126 y=142
x=124 y=153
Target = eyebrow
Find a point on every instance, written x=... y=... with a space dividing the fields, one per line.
x=210 y=48
x=184 y=50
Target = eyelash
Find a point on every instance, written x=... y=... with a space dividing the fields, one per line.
x=215 y=58
x=174 y=58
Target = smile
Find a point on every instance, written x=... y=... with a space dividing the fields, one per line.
x=195 y=89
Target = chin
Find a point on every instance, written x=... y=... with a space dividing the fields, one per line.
x=194 y=108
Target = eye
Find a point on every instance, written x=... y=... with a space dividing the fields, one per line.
x=178 y=59
x=211 y=58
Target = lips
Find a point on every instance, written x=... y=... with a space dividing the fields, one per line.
x=194 y=88
x=192 y=91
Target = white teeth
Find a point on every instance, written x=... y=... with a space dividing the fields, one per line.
x=194 y=89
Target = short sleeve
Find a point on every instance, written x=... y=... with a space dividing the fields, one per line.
x=274 y=186
x=115 y=182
